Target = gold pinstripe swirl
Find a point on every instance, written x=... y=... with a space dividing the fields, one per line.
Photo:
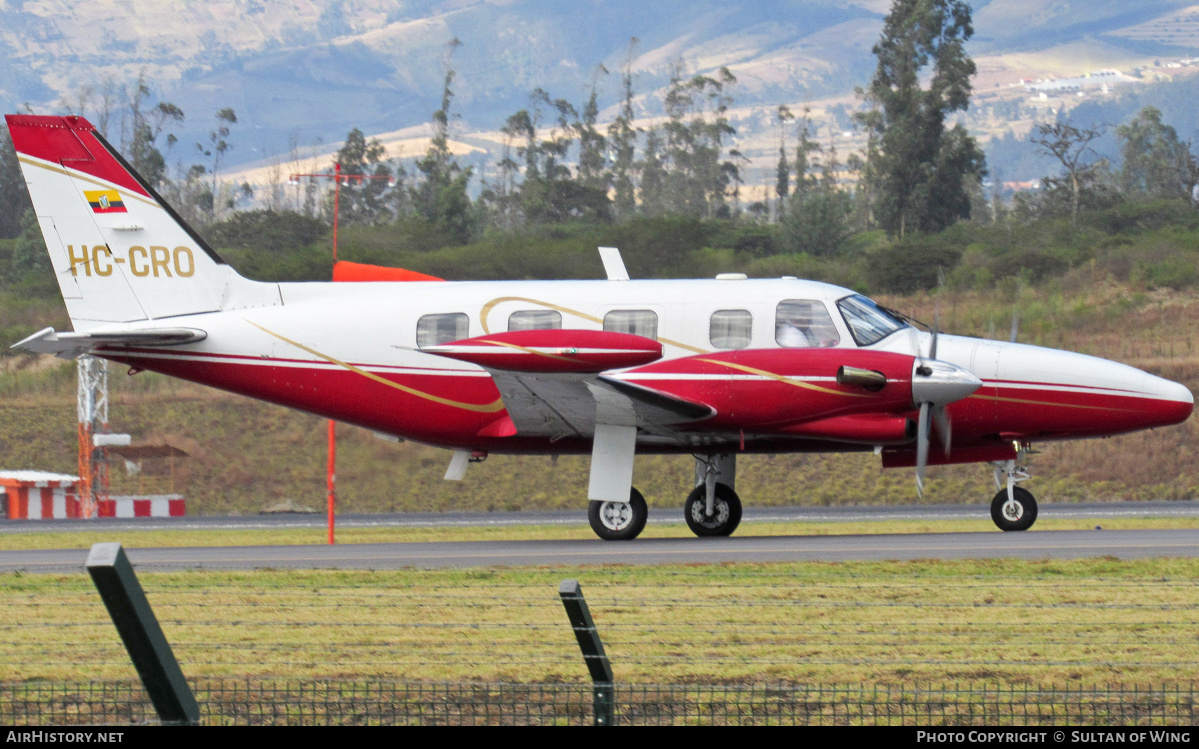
x=1046 y=403
x=785 y=380
x=484 y=408
x=483 y=313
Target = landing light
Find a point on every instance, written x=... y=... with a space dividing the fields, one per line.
x=865 y=378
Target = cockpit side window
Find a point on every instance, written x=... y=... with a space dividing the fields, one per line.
x=867 y=322
x=804 y=323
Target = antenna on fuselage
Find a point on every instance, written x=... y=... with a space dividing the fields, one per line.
x=613 y=264
x=1015 y=324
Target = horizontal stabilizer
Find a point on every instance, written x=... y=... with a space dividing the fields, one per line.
x=71 y=345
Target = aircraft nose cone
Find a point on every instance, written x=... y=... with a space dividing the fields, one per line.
x=1174 y=401
x=941 y=383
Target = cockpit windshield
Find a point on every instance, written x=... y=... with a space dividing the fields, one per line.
x=868 y=323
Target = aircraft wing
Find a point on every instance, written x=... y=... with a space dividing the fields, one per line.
x=569 y=405
x=553 y=385
x=72 y=345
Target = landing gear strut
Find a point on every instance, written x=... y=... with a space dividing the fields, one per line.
x=1013 y=508
x=619 y=521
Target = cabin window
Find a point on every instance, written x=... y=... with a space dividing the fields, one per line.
x=642 y=322
x=434 y=330
x=867 y=322
x=535 y=319
x=804 y=323
x=730 y=328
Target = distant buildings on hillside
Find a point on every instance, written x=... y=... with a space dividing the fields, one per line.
x=1031 y=185
x=1102 y=80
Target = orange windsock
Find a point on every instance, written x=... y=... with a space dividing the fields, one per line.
x=343 y=270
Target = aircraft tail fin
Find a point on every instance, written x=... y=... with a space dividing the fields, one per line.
x=119 y=251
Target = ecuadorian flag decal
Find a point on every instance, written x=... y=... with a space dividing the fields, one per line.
x=105 y=201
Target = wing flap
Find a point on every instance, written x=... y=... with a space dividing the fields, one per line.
x=563 y=405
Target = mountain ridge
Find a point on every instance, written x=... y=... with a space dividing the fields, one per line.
x=310 y=70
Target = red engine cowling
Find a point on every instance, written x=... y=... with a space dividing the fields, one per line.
x=774 y=389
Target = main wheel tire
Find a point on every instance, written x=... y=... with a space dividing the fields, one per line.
x=1020 y=516
x=726 y=514
x=619 y=521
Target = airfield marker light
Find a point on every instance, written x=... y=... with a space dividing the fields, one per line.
x=338 y=180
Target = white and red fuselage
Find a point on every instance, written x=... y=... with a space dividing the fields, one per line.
x=349 y=352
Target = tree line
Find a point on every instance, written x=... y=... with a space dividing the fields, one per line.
x=558 y=165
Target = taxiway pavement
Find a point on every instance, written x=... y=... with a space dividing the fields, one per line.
x=1124 y=544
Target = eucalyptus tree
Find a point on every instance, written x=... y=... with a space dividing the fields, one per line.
x=922 y=168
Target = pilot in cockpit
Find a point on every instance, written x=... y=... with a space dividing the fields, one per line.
x=804 y=324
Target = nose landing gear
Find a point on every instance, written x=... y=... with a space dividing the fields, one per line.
x=1017 y=513
x=1013 y=508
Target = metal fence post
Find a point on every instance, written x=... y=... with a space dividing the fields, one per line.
x=603 y=688
x=135 y=622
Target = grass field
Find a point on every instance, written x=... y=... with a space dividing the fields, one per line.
x=1100 y=621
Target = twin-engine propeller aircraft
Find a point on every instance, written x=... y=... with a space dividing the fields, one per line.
x=712 y=368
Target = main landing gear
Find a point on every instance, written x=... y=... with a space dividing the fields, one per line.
x=1013 y=508
x=712 y=508
x=619 y=521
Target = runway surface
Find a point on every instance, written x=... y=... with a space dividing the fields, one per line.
x=1124 y=544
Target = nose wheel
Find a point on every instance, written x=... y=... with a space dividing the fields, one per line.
x=1015 y=514
x=619 y=521
x=726 y=511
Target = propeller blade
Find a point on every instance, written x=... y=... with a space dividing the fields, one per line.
x=944 y=427
x=932 y=347
x=922 y=446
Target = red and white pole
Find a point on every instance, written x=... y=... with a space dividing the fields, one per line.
x=332 y=472
x=332 y=478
